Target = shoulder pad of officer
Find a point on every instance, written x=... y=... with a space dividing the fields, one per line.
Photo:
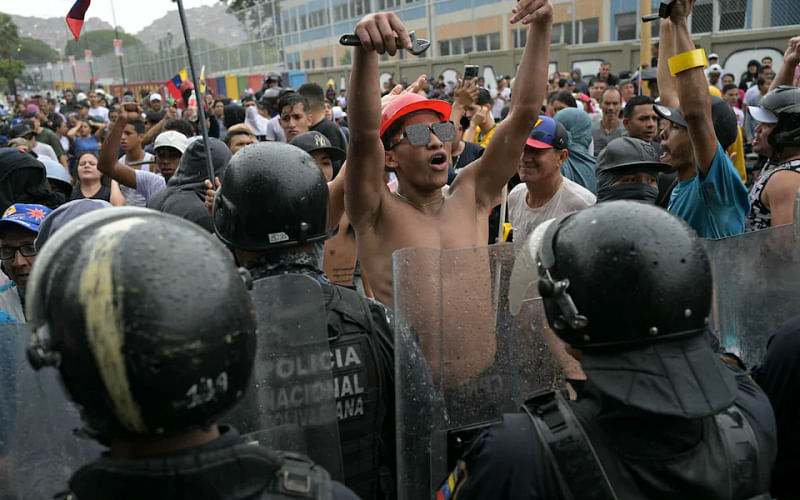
x=299 y=477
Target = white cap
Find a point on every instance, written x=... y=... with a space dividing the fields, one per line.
x=99 y=91
x=155 y=97
x=715 y=68
x=713 y=55
x=762 y=115
x=338 y=112
x=81 y=96
x=171 y=139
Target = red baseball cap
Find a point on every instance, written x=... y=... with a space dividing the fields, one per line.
x=408 y=103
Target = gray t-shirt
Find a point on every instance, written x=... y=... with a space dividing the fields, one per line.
x=602 y=138
x=132 y=196
x=148 y=184
x=570 y=197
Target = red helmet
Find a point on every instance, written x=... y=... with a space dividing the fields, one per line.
x=408 y=103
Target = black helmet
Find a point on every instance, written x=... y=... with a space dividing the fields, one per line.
x=273 y=195
x=784 y=103
x=147 y=320
x=622 y=274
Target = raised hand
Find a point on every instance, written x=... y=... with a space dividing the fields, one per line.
x=532 y=11
x=381 y=32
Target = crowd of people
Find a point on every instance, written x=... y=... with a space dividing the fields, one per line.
x=604 y=183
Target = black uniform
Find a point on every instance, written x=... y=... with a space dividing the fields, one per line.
x=644 y=455
x=660 y=413
x=363 y=371
x=223 y=468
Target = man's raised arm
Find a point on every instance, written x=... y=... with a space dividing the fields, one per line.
x=365 y=158
x=693 y=91
x=107 y=161
x=500 y=160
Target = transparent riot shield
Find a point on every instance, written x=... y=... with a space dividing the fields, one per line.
x=39 y=450
x=290 y=404
x=756 y=277
x=462 y=359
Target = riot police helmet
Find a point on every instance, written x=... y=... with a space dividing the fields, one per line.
x=629 y=284
x=273 y=195
x=784 y=103
x=147 y=320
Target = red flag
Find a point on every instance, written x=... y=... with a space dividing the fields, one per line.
x=75 y=16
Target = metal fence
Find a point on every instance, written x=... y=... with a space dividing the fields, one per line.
x=273 y=35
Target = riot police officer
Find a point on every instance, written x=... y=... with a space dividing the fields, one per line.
x=628 y=287
x=154 y=356
x=272 y=211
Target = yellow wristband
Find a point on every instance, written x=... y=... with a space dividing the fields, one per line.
x=687 y=60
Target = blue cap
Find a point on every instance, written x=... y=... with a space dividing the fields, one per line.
x=548 y=133
x=26 y=215
x=55 y=170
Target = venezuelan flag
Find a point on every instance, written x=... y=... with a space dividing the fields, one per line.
x=174 y=85
x=75 y=16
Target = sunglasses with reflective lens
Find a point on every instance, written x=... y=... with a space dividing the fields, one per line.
x=8 y=253
x=420 y=134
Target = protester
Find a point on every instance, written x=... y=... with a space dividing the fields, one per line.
x=777 y=138
x=93 y=184
x=557 y=101
x=295 y=115
x=140 y=182
x=579 y=166
x=18 y=229
x=482 y=123
x=544 y=193
x=169 y=146
x=185 y=192
x=610 y=127
x=25 y=131
x=628 y=169
x=57 y=177
x=131 y=143
x=319 y=122
x=710 y=195
x=419 y=153
x=239 y=136
x=83 y=140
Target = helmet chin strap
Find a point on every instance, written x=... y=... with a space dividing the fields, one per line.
x=557 y=290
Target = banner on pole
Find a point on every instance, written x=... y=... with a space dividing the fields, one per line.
x=118 y=48
x=49 y=65
x=87 y=54
x=71 y=60
x=60 y=64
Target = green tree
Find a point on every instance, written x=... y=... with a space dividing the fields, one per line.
x=100 y=42
x=9 y=43
x=34 y=51
x=11 y=69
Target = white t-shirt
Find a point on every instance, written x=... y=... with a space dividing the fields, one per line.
x=99 y=111
x=255 y=121
x=133 y=197
x=739 y=116
x=500 y=100
x=570 y=197
x=45 y=150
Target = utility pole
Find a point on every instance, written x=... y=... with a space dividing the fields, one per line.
x=116 y=35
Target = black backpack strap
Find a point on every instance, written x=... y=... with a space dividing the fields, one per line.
x=742 y=451
x=299 y=477
x=579 y=471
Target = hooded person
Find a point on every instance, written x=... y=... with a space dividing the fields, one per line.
x=580 y=164
x=23 y=179
x=627 y=169
x=184 y=195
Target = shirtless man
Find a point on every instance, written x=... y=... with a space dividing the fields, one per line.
x=422 y=214
x=411 y=137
